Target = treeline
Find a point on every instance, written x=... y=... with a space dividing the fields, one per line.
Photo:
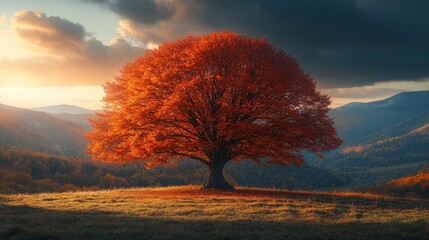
x=413 y=186
x=24 y=171
x=410 y=149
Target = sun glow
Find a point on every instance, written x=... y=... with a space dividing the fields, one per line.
x=29 y=97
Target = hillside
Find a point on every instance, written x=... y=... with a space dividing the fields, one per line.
x=187 y=213
x=356 y=121
x=26 y=129
x=71 y=113
x=404 y=143
x=81 y=120
x=417 y=184
x=383 y=140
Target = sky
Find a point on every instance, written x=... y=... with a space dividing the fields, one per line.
x=62 y=51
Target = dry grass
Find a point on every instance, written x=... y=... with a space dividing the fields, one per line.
x=188 y=213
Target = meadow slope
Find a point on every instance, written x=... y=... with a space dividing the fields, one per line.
x=188 y=213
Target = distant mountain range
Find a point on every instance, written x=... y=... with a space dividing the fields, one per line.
x=72 y=113
x=39 y=131
x=356 y=121
x=63 y=108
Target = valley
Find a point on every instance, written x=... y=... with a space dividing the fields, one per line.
x=382 y=141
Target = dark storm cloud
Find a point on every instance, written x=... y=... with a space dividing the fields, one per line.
x=147 y=11
x=342 y=43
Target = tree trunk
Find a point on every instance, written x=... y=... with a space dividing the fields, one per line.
x=216 y=179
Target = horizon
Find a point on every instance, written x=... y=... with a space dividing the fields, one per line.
x=102 y=107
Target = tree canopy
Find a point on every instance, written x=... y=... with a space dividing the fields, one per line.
x=214 y=98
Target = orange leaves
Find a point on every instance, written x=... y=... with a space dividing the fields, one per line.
x=220 y=95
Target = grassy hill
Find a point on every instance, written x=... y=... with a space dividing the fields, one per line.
x=187 y=213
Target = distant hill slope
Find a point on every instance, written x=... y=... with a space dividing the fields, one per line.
x=63 y=108
x=81 y=120
x=417 y=184
x=72 y=113
x=356 y=121
x=405 y=142
x=383 y=140
x=26 y=129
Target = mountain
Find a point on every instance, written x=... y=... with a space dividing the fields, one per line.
x=356 y=121
x=383 y=140
x=72 y=113
x=63 y=108
x=39 y=131
x=81 y=120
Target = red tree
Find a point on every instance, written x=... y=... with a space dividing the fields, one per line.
x=214 y=98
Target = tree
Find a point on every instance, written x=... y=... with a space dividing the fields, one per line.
x=214 y=98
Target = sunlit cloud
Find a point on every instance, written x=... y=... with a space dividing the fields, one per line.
x=67 y=54
x=9 y=47
x=360 y=92
x=178 y=25
x=2 y=19
x=50 y=35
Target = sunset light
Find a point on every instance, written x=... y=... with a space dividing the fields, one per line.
x=214 y=119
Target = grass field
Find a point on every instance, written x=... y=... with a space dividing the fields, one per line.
x=188 y=213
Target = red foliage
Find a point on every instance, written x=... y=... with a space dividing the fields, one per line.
x=213 y=98
x=417 y=184
x=421 y=178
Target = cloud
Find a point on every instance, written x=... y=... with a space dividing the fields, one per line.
x=53 y=35
x=2 y=20
x=361 y=92
x=67 y=54
x=147 y=11
x=342 y=43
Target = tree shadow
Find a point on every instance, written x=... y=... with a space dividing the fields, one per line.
x=24 y=222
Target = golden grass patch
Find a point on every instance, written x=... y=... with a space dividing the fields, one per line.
x=188 y=212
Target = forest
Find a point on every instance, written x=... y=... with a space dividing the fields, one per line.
x=23 y=171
